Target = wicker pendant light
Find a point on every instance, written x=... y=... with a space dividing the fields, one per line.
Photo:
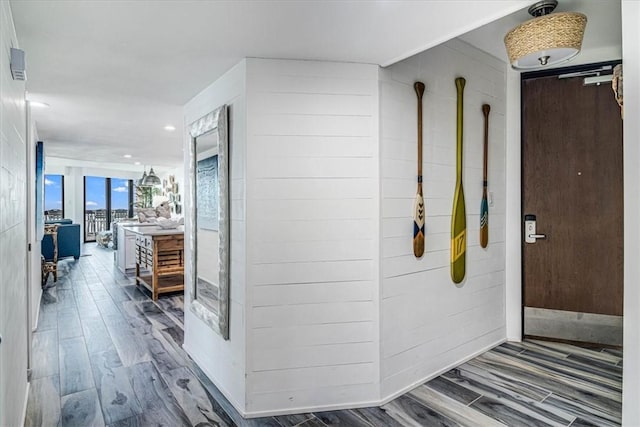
x=547 y=39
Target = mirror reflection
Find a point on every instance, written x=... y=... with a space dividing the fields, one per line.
x=209 y=220
x=207 y=227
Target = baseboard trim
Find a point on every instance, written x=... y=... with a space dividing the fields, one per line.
x=24 y=406
x=439 y=372
x=307 y=409
x=352 y=405
x=37 y=319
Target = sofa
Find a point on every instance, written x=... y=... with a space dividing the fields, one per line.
x=68 y=240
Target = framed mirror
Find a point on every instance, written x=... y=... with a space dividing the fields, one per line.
x=209 y=182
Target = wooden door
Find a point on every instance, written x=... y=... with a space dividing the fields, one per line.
x=572 y=181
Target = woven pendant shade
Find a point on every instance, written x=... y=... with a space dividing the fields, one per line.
x=545 y=40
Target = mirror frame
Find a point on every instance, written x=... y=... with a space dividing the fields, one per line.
x=214 y=121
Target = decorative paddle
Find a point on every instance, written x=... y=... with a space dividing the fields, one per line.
x=418 y=208
x=458 y=218
x=484 y=206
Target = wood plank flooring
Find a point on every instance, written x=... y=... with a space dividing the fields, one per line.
x=106 y=354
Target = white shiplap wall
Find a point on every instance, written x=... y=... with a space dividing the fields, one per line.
x=429 y=324
x=13 y=232
x=223 y=361
x=312 y=235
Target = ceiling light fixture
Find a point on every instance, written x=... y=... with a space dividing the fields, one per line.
x=169 y=128
x=547 y=39
x=136 y=163
x=127 y=156
x=151 y=179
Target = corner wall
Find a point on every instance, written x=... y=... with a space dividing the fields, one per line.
x=631 y=129
x=428 y=323
x=312 y=236
x=223 y=361
x=13 y=233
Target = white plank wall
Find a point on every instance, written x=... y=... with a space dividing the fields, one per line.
x=429 y=324
x=312 y=235
x=13 y=232
x=223 y=361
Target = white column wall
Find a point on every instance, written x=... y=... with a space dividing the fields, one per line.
x=428 y=323
x=312 y=236
x=13 y=232
x=223 y=361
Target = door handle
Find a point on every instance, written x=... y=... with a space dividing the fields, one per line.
x=537 y=236
x=530 y=235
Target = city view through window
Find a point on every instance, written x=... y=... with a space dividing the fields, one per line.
x=105 y=200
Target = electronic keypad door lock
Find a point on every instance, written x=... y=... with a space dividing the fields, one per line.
x=530 y=235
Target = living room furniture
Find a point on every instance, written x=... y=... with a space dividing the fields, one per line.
x=159 y=258
x=125 y=244
x=68 y=241
x=50 y=264
x=103 y=238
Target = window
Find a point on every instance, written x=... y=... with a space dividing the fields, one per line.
x=105 y=200
x=53 y=197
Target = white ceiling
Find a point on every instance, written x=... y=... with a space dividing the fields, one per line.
x=116 y=72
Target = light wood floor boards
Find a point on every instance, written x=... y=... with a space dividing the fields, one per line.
x=105 y=354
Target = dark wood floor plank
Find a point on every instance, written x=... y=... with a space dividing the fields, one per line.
x=596 y=415
x=158 y=403
x=377 y=417
x=81 y=409
x=193 y=398
x=165 y=357
x=43 y=406
x=69 y=324
x=96 y=335
x=506 y=414
x=453 y=390
x=342 y=418
x=75 y=369
x=454 y=410
x=48 y=317
x=410 y=412
x=46 y=354
x=509 y=400
x=130 y=345
x=117 y=397
x=292 y=420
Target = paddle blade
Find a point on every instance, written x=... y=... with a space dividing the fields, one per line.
x=484 y=222
x=458 y=236
x=418 y=226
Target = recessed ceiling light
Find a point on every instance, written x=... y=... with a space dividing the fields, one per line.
x=38 y=104
x=127 y=156
x=136 y=163
x=169 y=128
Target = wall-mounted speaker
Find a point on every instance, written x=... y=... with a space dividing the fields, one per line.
x=18 y=71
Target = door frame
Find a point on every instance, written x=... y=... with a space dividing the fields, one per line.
x=523 y=78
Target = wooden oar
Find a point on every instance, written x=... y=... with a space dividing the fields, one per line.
x=484 y=206
x=458 y=218
x=418 y=208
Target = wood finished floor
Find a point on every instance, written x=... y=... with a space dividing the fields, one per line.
x=105 y=354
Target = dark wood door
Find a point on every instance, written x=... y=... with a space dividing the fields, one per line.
x=572 y=182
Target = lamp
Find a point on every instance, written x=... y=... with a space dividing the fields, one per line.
x=151 y=179
x=547 y=39
x=143 y=179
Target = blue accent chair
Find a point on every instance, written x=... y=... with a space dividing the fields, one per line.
x=68 y=241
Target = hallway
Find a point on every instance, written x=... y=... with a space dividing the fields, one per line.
x=105 y=354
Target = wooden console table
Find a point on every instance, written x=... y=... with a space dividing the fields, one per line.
x=159 y=259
